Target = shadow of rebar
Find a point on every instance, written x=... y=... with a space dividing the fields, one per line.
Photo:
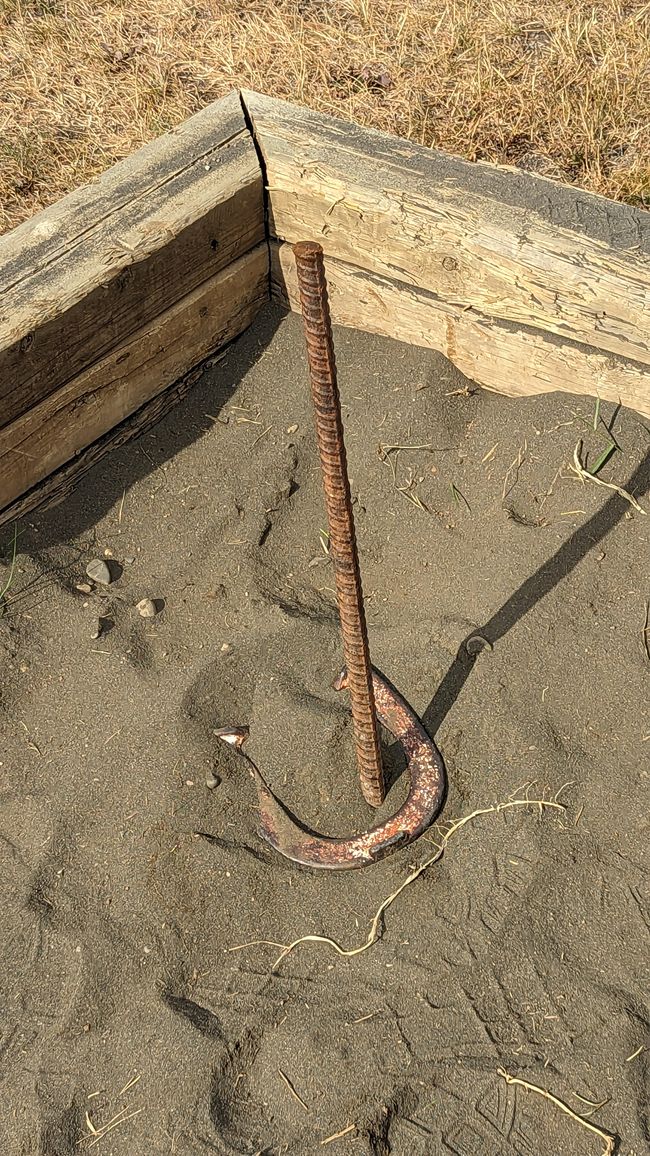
x=545 y=579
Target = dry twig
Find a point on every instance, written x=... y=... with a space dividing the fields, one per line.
x=339 y=1135
x=293 y=1091
x=447 y=830
x=587 y=476
x=607 y=1137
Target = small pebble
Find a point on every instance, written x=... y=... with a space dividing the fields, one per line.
x=108 y=553
x=97 y=631
x=292 y=428
x=477 y=643
x=212 y=781
x=99 y=572
x=226 y=648
x=146 y=608
x=129 y=559
x=84 y=587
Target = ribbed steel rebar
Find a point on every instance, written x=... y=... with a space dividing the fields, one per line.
x=343 y=547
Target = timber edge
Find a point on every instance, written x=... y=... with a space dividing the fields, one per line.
x=113 y=296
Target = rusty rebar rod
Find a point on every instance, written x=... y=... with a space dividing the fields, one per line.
x=343 y=547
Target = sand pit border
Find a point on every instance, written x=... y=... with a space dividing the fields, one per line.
x=115 y=294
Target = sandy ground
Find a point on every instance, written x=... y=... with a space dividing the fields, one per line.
x=126 y=882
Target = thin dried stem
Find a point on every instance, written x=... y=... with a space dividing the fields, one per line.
x=607 y=1137
x=587 y=476
x=446 y=832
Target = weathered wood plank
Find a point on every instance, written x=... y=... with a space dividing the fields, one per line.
x=78 y=278
x=498 y=355
x=69 y=420
x=512 y=246
x=59 y=485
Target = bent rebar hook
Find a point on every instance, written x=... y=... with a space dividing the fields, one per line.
x=371 y=695
x=425 y=797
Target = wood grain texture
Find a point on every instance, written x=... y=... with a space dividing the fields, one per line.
x=78 y=278
x=500 y=356
x=67 y=421
x=62 y=482
x=514 y=247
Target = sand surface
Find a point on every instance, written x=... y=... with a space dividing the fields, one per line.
x=126 y=882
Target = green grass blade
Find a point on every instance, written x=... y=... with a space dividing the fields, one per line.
x=602 y=458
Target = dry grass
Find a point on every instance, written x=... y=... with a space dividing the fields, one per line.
x=557 y=88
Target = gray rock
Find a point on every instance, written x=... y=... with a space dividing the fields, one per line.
x=212 y=780
x=99 y=572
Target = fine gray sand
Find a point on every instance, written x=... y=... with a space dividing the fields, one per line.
x=127 y=883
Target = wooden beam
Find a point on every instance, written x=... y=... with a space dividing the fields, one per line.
x=77 y=279
x=59 y=485
x=501 y=244
x=116 y=292
x=509 y=359
x=67 y=421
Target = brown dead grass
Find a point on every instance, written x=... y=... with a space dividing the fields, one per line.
x=561 y=88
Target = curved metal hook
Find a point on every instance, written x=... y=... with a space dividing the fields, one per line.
x=428 y=784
